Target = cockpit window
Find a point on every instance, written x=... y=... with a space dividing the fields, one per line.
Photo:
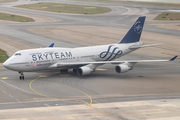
x=17 y=54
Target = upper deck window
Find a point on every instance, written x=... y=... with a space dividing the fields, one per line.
x=17 y=54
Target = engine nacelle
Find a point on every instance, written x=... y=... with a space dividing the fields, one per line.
x=84 y=70
x=122 y=68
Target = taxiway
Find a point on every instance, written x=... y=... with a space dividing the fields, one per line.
x=149 y=91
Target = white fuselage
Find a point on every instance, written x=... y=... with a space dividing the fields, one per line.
x=42 y=58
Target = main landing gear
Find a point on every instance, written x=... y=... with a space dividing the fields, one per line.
x=21 y=76
x=75 y=70
x=64 y=71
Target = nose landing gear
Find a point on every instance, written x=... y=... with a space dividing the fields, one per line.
x=21 y=76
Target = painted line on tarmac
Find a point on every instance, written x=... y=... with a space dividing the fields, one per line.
x=11 y=96
x=16 y=87
x=64 y=75
x=18 y=100
x=112 y=22
x=47 y=105
x=32 y=37
x=4 y=92
x=89 y=105
x=16 y=74
x=30 y=86
x=43 y=76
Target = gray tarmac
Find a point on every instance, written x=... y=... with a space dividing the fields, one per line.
x=150 y=91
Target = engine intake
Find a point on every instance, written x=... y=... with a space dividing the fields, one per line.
x=122 y=68
x=84 y=70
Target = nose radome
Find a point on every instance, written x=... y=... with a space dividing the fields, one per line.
x=5 y=64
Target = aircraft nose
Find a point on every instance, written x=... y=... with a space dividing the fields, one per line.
x=6 y=64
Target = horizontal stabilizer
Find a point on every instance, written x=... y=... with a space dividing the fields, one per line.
x=52 y=45
x=135 y=47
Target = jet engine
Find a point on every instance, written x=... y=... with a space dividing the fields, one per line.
x=122 y=68
x=84 y=70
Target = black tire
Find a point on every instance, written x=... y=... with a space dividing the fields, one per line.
x=20 y=77
x=75 y=70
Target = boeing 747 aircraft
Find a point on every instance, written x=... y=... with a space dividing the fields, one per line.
x=82 y=60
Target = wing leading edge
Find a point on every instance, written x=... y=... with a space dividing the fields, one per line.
x=79 y=64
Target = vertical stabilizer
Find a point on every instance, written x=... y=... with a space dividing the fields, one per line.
x=134 y=34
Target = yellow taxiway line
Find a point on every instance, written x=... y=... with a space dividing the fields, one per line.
x=89 y=105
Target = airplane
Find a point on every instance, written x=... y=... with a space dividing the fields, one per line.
x=83 y=60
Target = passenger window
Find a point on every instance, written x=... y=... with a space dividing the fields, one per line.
x=17 y=54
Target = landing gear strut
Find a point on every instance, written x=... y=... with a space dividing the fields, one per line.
x=21 y=76
x=75 y=70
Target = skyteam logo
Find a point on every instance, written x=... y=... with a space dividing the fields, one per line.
x=111 y=53
x=138 y=27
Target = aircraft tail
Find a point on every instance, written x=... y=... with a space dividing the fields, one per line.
x=134 y=34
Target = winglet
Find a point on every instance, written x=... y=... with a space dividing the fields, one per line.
x=51 y=45
x=172 y=59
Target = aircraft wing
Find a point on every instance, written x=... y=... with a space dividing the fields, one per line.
x=79 y=64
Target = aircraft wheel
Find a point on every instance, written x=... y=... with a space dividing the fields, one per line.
x=21 y=77
x=75 y=70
